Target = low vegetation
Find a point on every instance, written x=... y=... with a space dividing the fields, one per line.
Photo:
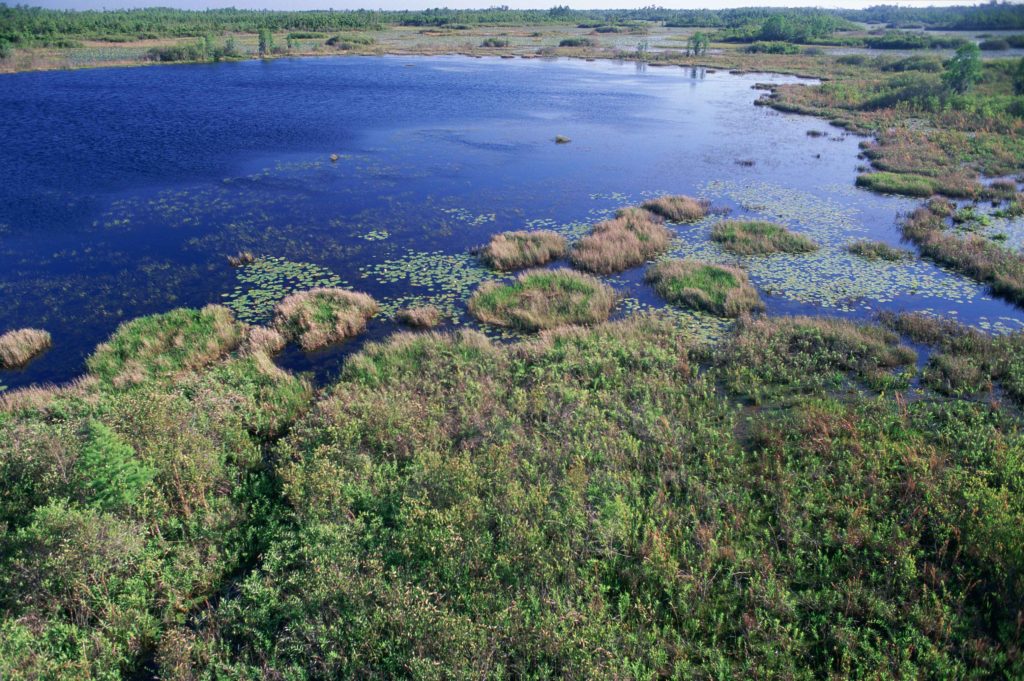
x=323 y=316
x=543 y=299
x=877 y=250
x=632 y=238
x=423 y=317
x=517 y=250
x=756 y=237
x=241 y=258
x=606 y=502
x=678 y=209
x=720 y=290
x=970 y=254
x=162 y=346
x=21 y=346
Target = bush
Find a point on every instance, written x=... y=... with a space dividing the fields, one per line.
x=773 y=47
x=994 y=45
x=495 y=42
x=543 y=299
x=577 y=42
x=720 y=290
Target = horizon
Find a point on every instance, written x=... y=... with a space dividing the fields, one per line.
x=419 y=5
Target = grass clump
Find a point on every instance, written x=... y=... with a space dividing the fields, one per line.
x=19 y=347
x=562 y=139
x=423 y=317
x=772 y=358
x=241 y=258
x=517 y=250
x=494 y=42
x=543 y=299
x=877 y=250
x=322 y=316
x=577 y=42
x=907 y=184
x=633 y=237
x=678 y=208
x=972 y=255
x=756 y=237
x=165 y=344
x=721 y=290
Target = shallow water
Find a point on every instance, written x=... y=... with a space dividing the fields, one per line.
x=124 y=189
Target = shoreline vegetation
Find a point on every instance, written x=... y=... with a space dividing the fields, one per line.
x=803 y=498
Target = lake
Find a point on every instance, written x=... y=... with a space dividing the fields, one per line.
x=125 y=189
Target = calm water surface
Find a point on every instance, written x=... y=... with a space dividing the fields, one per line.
x=124 y=189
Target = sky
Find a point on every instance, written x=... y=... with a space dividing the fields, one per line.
x=476 y=4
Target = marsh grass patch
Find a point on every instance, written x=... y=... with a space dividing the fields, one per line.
x=165 y=344
x=630 y=239
x=21 y=346
x=677 y=208
x=877 y=250
x=759 y=237
x=719 y=289
x=544 y=299
x=520 y=249
x=421 y=317
x=323 y=316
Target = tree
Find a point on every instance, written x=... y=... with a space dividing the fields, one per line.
x=964 y=69
x=697 y=44
x=1018 y=78
x=266 y=42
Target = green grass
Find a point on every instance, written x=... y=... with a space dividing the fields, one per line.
x=678 y=209
x=543 y=299
x=724 y=291
x=907 y=184
x=166 y=344
x=755 y=237
x=877 y=250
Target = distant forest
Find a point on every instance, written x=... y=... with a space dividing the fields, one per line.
x=27 y=26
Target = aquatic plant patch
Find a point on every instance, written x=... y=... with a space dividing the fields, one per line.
x=521 y=249
x=163 y=345
x=423 y=317
x=757 y=237
x=678 y=208
x=265 y=282
x=322 y=316
x=543 y=299
x=721 y=290
x=877 y=250
x=21 y=346
x=633 y=237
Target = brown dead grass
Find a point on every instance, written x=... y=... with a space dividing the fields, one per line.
x=632 y=238
x=517 y=250
x=18 y=348
x=678 y=208
x=261 y=340
x=424 y=317
x=322 y=316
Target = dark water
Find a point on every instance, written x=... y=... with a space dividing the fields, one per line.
x=124 y=189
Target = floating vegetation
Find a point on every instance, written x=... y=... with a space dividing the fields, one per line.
x=463 y=215
x=375 y=235
x=265 y=282
x=721 y=290
x=544 y=299
x=323 y=316
x=562 y=139
x=241 y=258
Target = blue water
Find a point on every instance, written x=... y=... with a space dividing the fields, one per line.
x=124 y=189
